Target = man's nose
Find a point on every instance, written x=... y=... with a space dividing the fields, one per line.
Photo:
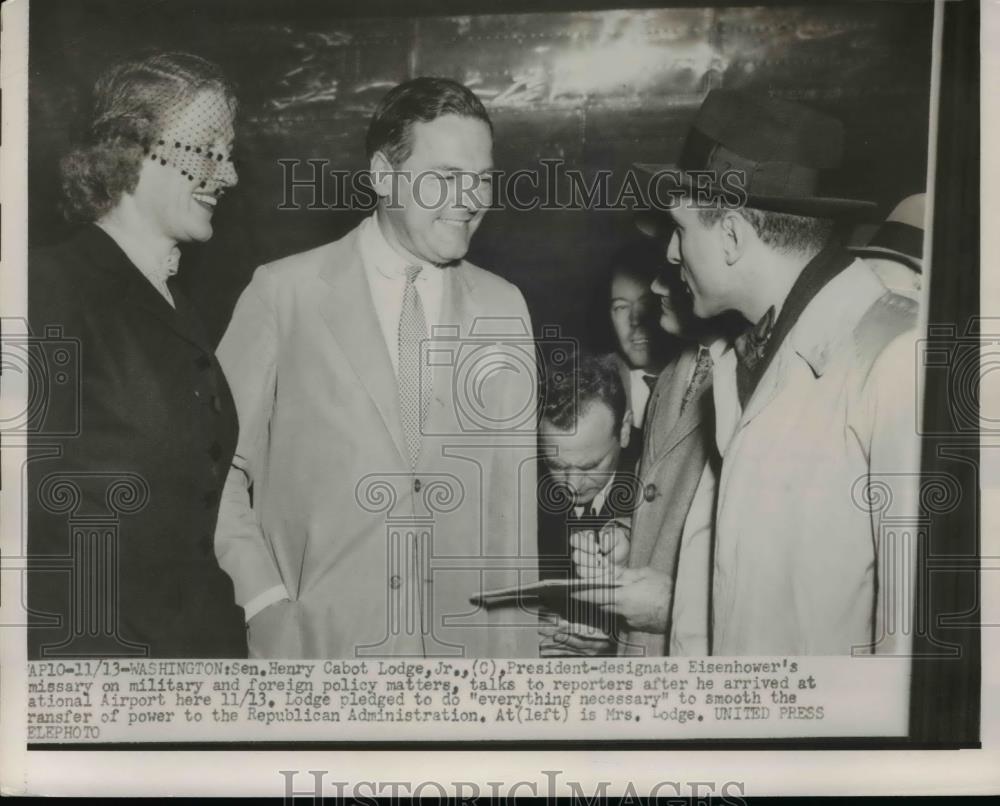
x=560 y=477
x=472 y=192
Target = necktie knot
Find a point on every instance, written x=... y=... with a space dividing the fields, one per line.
x=412 y=272
x=650 y=381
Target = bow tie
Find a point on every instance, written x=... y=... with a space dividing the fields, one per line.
x=750 y=347
x=750 y=344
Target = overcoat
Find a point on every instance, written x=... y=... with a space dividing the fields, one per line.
x=128 y=464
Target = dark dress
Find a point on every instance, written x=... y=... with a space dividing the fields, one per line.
x=133 y=430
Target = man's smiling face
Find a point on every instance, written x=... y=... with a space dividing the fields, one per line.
x=440 y=193
x=633 y=308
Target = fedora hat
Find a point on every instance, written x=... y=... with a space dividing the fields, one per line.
x=901 y=236
x=783 y=151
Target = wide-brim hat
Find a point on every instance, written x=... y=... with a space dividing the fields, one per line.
x=901 y=236
x=776 y=154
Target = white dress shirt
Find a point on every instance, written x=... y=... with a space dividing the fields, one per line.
x=693 y=582
x=640 y=395
x=385 y=269
x=597 y=501
x=693 y=579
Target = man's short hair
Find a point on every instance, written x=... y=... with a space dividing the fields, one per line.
x=568 y=395
x=783 y=232
x=421 y=99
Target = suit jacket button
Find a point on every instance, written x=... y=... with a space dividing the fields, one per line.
x=650 y=492
x=416 y=485
x=216 y=404
x=395 y=582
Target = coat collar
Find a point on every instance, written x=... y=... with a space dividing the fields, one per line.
x=131 y=288
x=673 y=425
x=827 y=321
x=834 y=313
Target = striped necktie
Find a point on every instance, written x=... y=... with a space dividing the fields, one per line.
x=701 y=371
x=414 y=391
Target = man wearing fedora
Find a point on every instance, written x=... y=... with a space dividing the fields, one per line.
x=895 y=251
x=814 y=404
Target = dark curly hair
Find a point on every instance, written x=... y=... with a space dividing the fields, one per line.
x=422 y=99
x=566 y=395
x=130 y=102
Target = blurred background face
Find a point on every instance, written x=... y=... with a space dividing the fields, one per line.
x=633 y=316
x=675 y=302
x=177 y=193
x=583 y=460
x=676 y=315
x=442 y=190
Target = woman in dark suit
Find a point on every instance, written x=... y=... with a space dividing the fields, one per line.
x=126 y=473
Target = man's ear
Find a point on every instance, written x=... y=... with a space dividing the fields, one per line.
x=735 y=231
x=626 y=432
x=381 y=171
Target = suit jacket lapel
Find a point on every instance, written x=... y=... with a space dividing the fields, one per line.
x=678 y=424
x=656 y=433
x=349 y=313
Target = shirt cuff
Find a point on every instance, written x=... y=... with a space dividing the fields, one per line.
x=265 y=599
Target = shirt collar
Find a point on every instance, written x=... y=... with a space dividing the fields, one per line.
x=597 y=502
x=380 y=255
x=717 y=348
x=641 y=375
x=156 y=265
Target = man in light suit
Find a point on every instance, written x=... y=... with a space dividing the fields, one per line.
x=382 y=460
